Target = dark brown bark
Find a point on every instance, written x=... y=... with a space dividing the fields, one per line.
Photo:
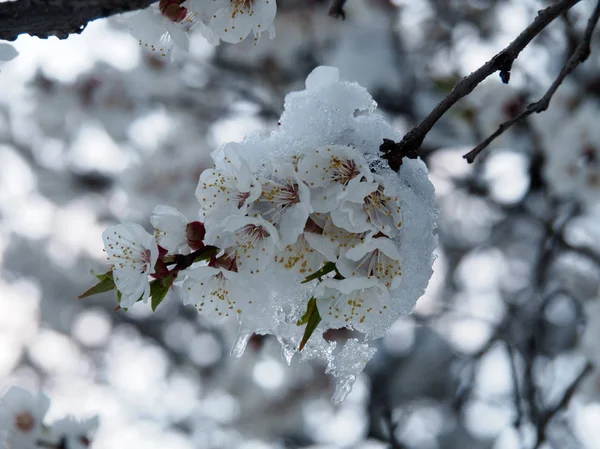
x=44 y=18
x=502 y=62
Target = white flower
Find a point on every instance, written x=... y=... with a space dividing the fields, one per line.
x=285 y=202
x=332 y=172
x=356 y=302
x=341 y=238
x=170 y=229
x=217 y=292
x=305 y=255
x=228 y=190
x=132 y=253
x=250 y=240
x=371 y=207
x=77 y=433
x=233 y=20
x=378 y=257
x=21 y=417
x=159 y=31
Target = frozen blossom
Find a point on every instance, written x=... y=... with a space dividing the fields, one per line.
x=132 y=254
x=251 y=241
x=228 y=190
x=306 y=254
x=285 y=202
x=334 y=173
x=217 y=292
x=22 y=415
x=371 y=208
x=362 y=246
x=377 y=257
x=303 y=230
x=358 y=302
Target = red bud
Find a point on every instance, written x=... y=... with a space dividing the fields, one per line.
x=194 y=233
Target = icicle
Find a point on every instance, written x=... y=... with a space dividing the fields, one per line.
x=343 y=388
x=241 y=341
x=288 y=349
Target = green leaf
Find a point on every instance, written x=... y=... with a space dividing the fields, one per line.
x=106 y=284
x=311 y=318
x=158 y=290
x=327 y=268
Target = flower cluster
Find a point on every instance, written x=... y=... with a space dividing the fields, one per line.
x=169 y=23
x=302 y=231
x=322 y=215
x=22 y=424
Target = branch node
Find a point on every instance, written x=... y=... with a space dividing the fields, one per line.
x=394 y=152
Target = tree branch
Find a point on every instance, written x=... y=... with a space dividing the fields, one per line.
x=542 y=425
x=44 y=18
x=580 y=54
x=337 y=9
x=502 y=62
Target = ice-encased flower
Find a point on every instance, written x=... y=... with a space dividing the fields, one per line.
x=250 y=240
x=170 y=229
x=76 y=433
x=132 y=253
x=285 y=202
x=22 y=415
x=159 y=32
x=372 y=208
x=374 y=257
x=332 y=172
x=307 y=254
x=355 y=302
x=233 y=20
x=217 y=292
x=343 y=239
x=227 y=190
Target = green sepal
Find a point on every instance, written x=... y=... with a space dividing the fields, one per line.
x=327 y=268
x=206 y=253
x=158 y=290
x=311 y=318
x=106 y=284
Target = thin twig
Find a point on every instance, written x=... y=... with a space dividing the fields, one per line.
x=391 y=429
x=502 y=62
x=580 y=54
x=542 y=425
x=516 y=388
